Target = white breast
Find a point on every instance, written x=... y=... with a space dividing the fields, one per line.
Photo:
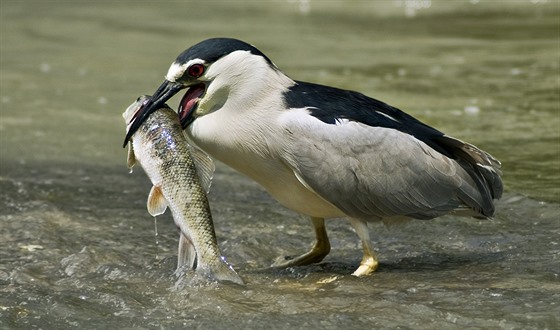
x=247 y=141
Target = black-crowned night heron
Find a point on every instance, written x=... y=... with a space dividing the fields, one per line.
x=321 y=151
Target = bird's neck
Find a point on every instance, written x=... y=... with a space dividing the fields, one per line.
x=243 y=86
x=237 y=132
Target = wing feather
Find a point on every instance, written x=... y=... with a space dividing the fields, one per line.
x=374 y=172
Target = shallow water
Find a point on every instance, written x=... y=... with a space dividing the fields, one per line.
x=79 y=247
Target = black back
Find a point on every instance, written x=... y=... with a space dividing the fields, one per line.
x=329 y=104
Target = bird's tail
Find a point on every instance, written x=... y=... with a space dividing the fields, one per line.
x=483 y=168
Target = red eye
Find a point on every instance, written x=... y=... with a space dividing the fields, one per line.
x=196 y=70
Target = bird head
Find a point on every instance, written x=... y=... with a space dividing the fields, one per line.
x=213 y=72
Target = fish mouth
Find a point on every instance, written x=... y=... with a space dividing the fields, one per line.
x=189 y=104
x=163 y=93
x=133 y=110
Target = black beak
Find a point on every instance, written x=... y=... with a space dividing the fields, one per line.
x=163 y=93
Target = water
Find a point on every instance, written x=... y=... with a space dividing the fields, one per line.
x=79 y=247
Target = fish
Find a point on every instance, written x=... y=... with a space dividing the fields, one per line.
x=181 y=175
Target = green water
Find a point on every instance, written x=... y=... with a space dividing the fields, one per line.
x=79 y=245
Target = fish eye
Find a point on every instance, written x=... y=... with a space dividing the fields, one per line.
x=196 y=70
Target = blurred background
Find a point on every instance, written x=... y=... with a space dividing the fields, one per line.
x=80 y=247
x=483 y=71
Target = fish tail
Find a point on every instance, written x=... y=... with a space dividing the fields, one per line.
x=221 y=271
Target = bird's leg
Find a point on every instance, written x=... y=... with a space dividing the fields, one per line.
x=369 y=261
x=318 y=252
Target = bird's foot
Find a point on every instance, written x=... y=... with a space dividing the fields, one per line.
x=316 y=254
x=368 y=265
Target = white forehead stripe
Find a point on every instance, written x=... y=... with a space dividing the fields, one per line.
x=177 y=70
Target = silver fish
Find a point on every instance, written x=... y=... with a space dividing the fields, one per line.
x=163 y=152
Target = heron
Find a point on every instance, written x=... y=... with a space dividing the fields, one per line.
x=322 y=151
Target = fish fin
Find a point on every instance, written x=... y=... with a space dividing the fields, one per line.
x=156 y=202
x=204 y=166
x=220 y=271
x=186 y=254
x=131 y=158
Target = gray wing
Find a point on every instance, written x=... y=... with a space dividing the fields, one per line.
x=375 y=172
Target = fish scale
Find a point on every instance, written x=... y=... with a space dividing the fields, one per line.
x=160 y=147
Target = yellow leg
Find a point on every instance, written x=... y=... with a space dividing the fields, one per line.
x=369 y=262
x=318 y=252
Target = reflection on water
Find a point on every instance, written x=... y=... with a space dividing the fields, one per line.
x=79 y=247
